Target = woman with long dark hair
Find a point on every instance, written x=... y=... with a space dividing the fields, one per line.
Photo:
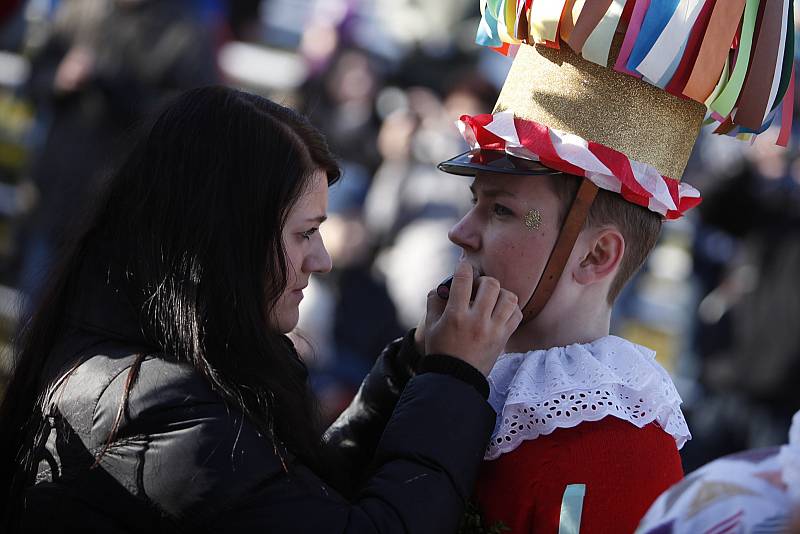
x=155 y=388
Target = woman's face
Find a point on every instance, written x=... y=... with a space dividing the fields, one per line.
x=510 y=230
x=305 y=251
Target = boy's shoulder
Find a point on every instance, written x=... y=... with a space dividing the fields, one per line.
x=605 y=445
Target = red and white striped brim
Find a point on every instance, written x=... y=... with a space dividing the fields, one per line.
x=607 y=168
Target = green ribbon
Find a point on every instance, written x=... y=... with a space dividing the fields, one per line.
x=724 y=103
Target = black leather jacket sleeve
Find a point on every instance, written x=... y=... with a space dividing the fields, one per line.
x=352 y=439
x=424 y=469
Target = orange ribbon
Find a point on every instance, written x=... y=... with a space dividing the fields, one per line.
x=715 y=48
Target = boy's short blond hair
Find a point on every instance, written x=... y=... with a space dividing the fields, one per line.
x=639 y=226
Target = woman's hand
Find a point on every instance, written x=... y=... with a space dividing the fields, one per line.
x=477 y=331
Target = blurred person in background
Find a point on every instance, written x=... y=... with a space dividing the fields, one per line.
x=754 y=491
x=341 y=101
x=103 y=66
x=411 y=204
x=155 y=387
x=747 y=257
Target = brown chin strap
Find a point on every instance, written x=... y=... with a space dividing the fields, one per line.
x=573 y=223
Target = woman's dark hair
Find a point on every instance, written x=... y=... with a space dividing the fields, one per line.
x=190 y=231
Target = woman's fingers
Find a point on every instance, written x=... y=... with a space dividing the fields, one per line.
x=507 y=302
x=477 y=331
x=487 y=295
x=461 y=288
x=514 y=319
x=434 y=307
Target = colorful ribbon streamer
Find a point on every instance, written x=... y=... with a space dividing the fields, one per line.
x=754 y=99
x=662 y=59
x=787 y=113
x=727 y=98
x=681 y=75
x=635 y=24
x=545 y=18
x=598 y=44
x=714 y=50
x=735 y=56
x=655 y=20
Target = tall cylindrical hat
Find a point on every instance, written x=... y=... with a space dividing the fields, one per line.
x=616 y=91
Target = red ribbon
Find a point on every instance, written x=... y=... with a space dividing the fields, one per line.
x=536 y=138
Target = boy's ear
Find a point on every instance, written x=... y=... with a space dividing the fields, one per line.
x=601 y=256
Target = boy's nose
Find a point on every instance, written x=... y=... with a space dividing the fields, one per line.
x=464 y=235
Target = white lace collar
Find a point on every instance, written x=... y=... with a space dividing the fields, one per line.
x=536 y=392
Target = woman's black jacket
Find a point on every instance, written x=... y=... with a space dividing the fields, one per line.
x=183 y=459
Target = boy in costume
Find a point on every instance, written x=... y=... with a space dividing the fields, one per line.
x=573 y=174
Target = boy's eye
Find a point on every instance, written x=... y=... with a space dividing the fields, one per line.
x=308 y=233
x=501 y=210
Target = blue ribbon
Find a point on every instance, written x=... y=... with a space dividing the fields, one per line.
x=487 y=28
x=571 y=509
x=655 y=20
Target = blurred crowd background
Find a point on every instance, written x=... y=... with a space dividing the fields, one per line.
x=385 y=80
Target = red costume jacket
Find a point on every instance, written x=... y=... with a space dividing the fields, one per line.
x=624 y=469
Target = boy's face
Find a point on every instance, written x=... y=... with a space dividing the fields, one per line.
x=500 y=235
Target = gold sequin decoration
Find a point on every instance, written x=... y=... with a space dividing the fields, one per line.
x=562 y=90
x=533 y=219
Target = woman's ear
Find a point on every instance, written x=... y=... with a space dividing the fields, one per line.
x=601 y=257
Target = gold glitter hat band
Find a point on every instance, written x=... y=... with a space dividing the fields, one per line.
x=564 y=91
